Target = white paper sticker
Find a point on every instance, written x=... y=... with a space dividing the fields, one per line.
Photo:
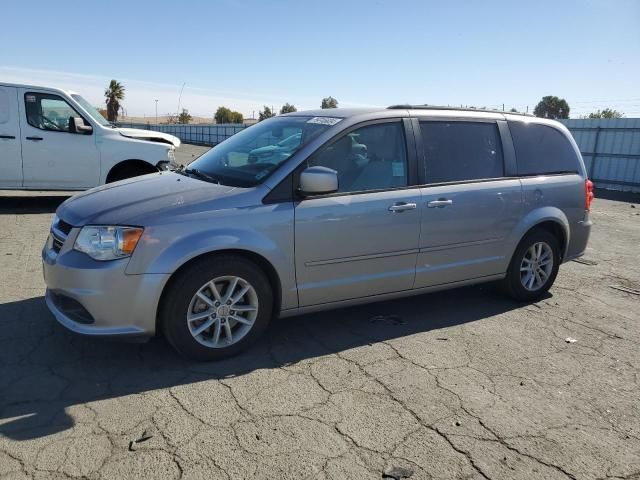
x=324 y=120
x=398 y=169
x=31 y=98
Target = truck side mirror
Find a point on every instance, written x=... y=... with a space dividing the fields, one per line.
x=77 y=125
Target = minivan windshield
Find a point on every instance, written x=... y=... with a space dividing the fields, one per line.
x=91 y=110
x=250 y=156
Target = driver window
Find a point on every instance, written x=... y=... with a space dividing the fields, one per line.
x=48 y=112
x=369 y=158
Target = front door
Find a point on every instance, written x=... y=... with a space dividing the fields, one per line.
x=10 y=154
x=469 y=208
x=361 y=241
x=53 y=156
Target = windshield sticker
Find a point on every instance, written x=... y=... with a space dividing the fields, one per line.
x=324 y=120
x=262 y=174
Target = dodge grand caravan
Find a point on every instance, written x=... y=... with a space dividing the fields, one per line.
x=430 y=199
x=52 y=139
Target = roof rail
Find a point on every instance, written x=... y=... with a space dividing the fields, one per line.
x=461 y=109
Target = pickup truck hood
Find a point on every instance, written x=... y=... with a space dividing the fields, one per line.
x=150 y=136
x=145 y=200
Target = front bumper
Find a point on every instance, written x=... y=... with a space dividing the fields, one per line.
x=110 y=302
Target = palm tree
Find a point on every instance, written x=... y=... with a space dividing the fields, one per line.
x=114 y=94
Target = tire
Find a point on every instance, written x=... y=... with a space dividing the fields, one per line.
x=213 y=342
x=128 y=172
x=519 y=283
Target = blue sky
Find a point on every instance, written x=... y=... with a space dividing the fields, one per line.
x=244 y=54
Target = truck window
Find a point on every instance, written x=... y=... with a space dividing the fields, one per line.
x=4 y=107
x=460 y=151
x=541 y=150
x=48 y=112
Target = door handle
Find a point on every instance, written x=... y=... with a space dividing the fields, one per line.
x=440 y=203
x=402 y=206
x=9 y=137
x=34 y=139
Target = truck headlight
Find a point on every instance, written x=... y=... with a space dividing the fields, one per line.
x=171 y=155
x=107 y=242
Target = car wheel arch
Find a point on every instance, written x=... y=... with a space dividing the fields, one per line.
x=263 y=263
x=548 y=217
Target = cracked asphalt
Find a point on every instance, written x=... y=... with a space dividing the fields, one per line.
x=458 y=384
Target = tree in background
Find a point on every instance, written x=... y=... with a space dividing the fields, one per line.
x=225 y=115
x=514 y=110
x=329 y=102
x=114 y=94
x=184 y=117
x=266 y=113
x=236 y=117
x=287 y=108
x=606 y=113
x=552 y=107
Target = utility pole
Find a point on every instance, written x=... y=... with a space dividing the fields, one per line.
x=180 y=97
x=156 y=100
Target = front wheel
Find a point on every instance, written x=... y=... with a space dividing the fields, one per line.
x=534 y=266
x=216 y=308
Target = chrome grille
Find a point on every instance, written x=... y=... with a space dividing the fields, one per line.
x=59 y=232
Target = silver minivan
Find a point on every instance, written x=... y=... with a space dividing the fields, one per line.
x=317 y=210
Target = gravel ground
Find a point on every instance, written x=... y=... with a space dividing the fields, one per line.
x=458 y=384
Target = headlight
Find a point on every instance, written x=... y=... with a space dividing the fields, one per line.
x=107 y=242
x=171 y=155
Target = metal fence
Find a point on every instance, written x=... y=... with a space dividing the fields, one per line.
x=611 y=151
x=209 y=135
x=611 y=148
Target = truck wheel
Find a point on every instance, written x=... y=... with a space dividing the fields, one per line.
x=216 y=308
x=128 y=171
x=534 y=266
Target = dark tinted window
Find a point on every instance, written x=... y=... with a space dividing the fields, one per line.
x=369 y=158
x=457 y=151
x=541 y=149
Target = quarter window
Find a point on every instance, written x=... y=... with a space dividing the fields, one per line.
x=369 y=158
x=459 y=151
x=542 y=150
x=48 y=112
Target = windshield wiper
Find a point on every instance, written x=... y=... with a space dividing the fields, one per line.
x=199 y=173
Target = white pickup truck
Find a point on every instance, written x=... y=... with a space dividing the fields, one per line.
x=51 y=139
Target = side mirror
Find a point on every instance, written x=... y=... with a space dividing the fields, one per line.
x=77 y=125
x=318 y=181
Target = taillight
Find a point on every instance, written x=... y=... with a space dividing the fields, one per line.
x=588 y=194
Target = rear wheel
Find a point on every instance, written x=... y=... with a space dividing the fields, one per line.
x=216 y=308
x=534 y=266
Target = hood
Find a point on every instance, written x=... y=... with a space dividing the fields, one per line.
x=141 y=200
x=150 y=136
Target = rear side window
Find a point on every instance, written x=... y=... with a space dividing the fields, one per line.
x=459 y=151
x=542 y=150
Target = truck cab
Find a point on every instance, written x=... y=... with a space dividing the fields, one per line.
x=52 y=139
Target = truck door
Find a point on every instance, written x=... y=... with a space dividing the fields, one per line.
x=53 y=156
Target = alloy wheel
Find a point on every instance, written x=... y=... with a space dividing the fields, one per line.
x=222 y=311
x=536 y=266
